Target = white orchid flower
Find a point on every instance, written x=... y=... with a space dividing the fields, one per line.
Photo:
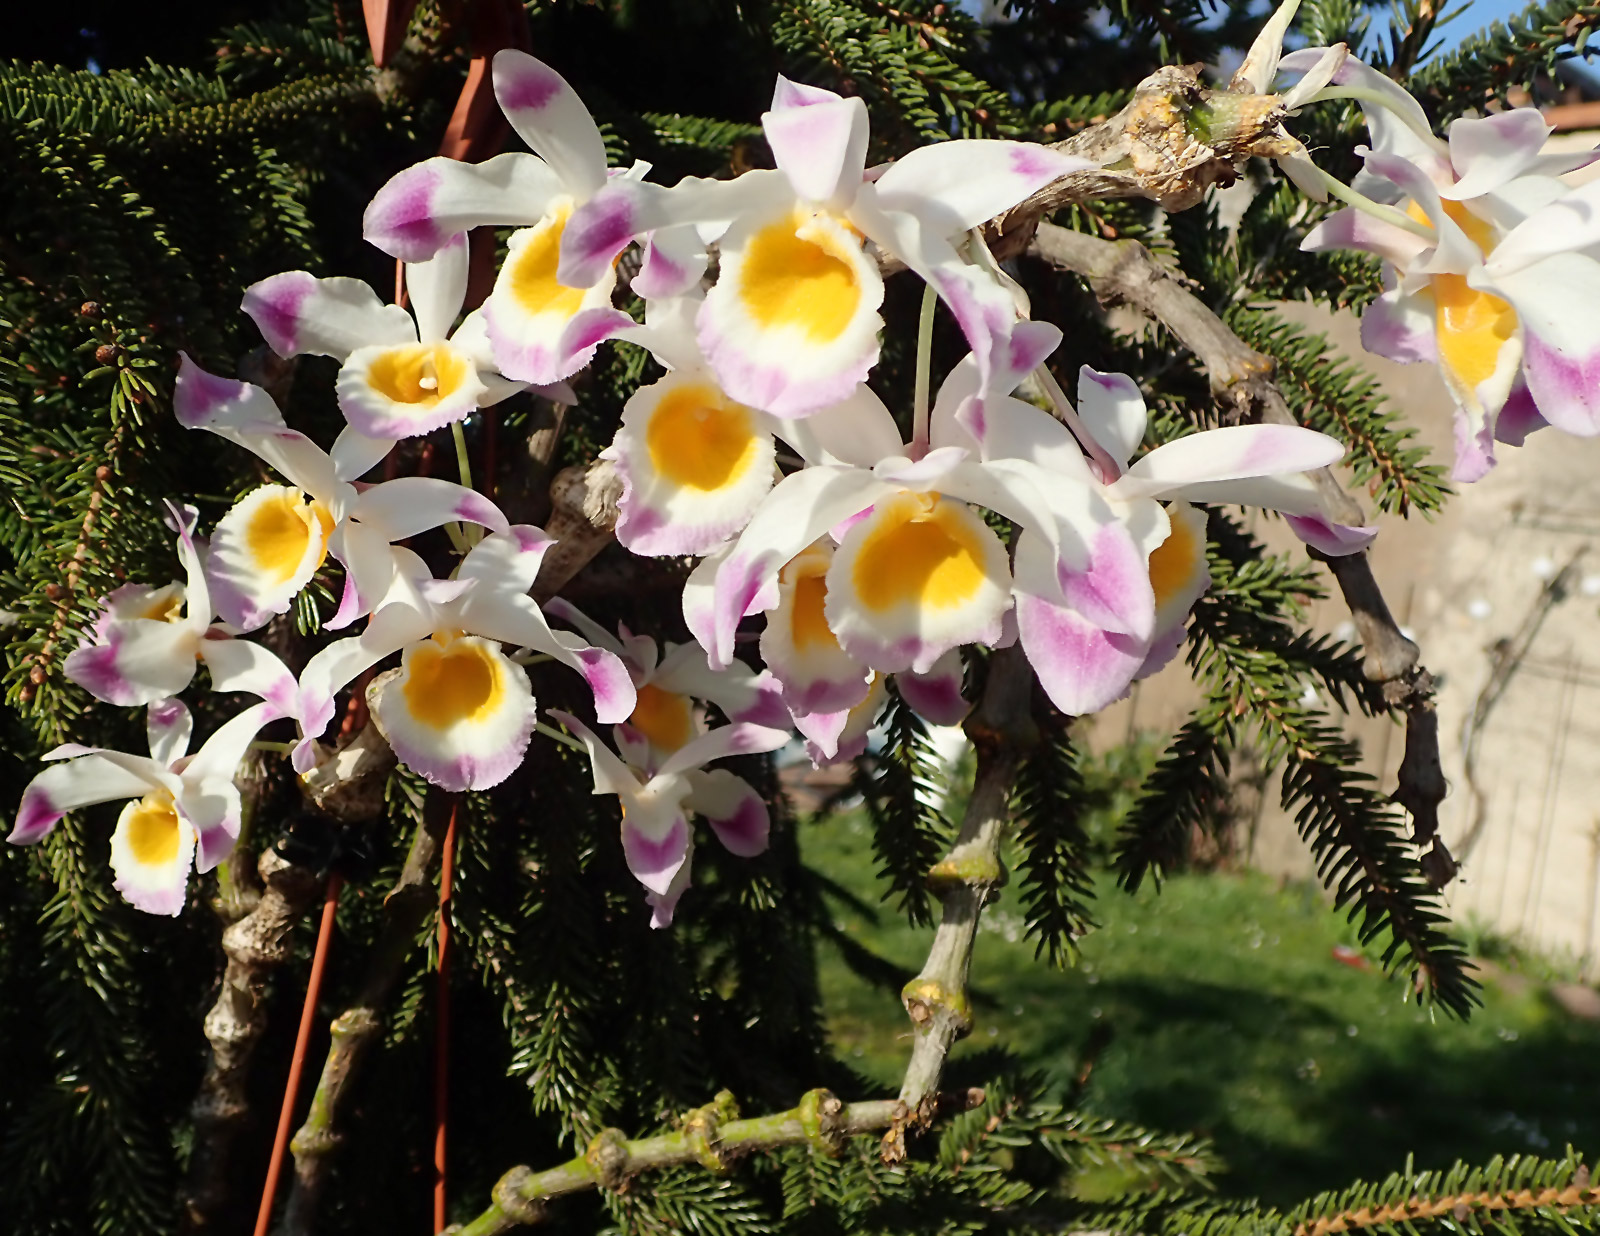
x=267 y=548
x=792 y=323
x=833 y=697
x=146 y=641
x=1511 y=323
x=668 y=681
x=693 y=462
x=917 y=572
x=187 y=809
x=539 y=329
x=399 y=375
x=460 y=712
x=1089 y=633
x=656 y=839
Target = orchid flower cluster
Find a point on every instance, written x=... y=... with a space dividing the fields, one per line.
x=870 y=553
x=1491 y=261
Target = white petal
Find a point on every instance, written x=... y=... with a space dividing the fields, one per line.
x=964 y=183
x=1232 y=452
x=437 y=287
x=1113 y=411
x=168 y=724
x=821 y=148
x=421 y=208
x=408 y=505
x=547 y=114
x=89 y=779
x=246 y=415
x=298 y=313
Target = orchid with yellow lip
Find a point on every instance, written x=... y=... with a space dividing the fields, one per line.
x=833 y=697
x=1486 y=263
x=668 y=680
x=917 y=573
x=187 y=813
x=694 y=463
x=656 y=839
x=146 y=641
x=460 y=712
x=791 y=325
x=541 y=330
x=399 y=376
x=267 y=548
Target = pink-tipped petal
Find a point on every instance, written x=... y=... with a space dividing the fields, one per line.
x=298 y=313
x=734 y=810
x=547 y=114
x=936 y=696
x=421 y=208
x=821 y=148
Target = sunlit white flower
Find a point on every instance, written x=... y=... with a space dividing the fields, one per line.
x=460 y=712
x=669 y=680
x=1091 y=632
x=1486 y=267
x=832 y=696
x=267 y=548
x=144 y=645
x=694 y=463
x=399 y=376
x=187 y=810
x=540 y=330
x=656 y=839
x=792 y=323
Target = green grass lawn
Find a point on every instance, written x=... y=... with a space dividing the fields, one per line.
x=1218 y=1006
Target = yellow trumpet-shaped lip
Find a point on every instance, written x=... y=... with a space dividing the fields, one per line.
x=451 y=680
x=794 y=276
x=922 y=554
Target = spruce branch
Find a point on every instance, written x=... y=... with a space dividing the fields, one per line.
x=255 y=945
x=712 y=1136
x=1002 y=732
x=1125 y=272
x=354 y=1031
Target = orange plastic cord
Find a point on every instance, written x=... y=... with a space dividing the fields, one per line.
x=441 y=1043
x=319 y=960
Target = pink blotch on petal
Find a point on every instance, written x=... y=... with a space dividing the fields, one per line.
x=530 y=88
x=275 y=305
x=744 y=833
x=400 y=218
x=95 y=670
x=198 y=394
x=36 y=816
x=654 y=862
x=1565 y=389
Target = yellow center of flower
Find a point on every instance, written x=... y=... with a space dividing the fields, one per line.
x=419 y=374
x=1174 y=561
x=151 y=827
x=530 y=272
x=807 y=621
x=796 y=276
x=700 y=439
x=922 y=550
x=452 y=679
x=1471 y=326
x=164 y=605
x=281 y=530
x=665 y=718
